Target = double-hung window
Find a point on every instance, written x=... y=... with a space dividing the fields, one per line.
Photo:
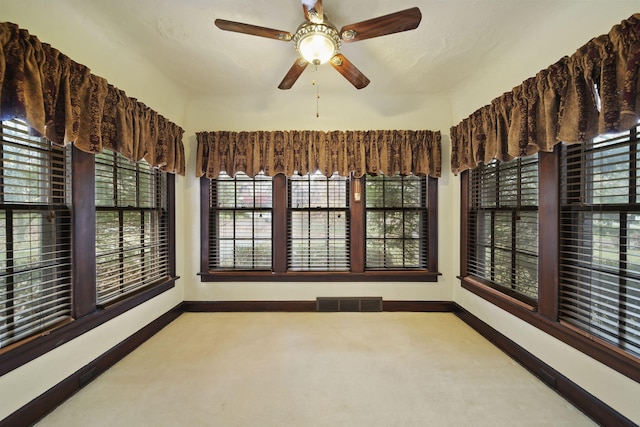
x=132 y=248
x=241 y=212
x=599 y=289
x=502 y=222
x=35 y=234
x=312 y=227
x=396 y=222
x=318 y=223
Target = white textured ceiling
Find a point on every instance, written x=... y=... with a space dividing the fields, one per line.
x=455 y=39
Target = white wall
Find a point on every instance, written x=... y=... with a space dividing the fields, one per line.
x=77 y=37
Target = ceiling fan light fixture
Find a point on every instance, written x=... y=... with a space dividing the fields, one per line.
x=317 y=43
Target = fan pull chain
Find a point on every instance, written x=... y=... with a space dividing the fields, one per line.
x=314 y=83
x=317 y=98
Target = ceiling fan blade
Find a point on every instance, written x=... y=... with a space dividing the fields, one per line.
x=313 y=11
x=253 y=30
x=397 y=22
x=294 y=72
x=349 y=71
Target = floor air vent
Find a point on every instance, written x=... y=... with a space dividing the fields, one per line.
x=328 y=304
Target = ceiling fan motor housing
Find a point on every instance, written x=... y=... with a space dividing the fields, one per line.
x=317 y=43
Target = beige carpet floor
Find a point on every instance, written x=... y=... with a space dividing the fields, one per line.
x=317 y=369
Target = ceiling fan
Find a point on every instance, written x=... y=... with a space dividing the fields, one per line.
x=318 y=41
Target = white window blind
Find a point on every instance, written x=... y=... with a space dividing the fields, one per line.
x=35 y=233
x=600 y=238
x=131 y=226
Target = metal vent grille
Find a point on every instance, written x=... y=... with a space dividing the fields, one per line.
x=333 y=304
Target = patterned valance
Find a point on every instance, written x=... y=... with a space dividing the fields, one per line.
x=592 y=92
x=344 y=152
x=62 y=101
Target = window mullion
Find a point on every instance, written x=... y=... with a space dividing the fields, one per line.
x=357 y=230
x=83 y=232
x=280 y=233
x=548 y=232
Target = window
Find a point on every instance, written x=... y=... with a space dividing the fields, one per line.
x=83 y=238
x=131 y=226
x=396 y=222
x=579 y=280
x=241 y=217
x=313 y=227
x=318 y=223
x=35 y=234
x=503 y=226
x=600 y=239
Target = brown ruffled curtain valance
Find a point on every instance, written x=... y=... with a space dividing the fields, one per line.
x=344 y=152
x=64 y=102
x=594 y=91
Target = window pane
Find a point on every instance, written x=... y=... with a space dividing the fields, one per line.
x=375 y=224
x=609 y=171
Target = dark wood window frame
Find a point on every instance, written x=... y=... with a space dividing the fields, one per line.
x=357 y=273
x=506 y=181
x=312 y=199
x=87 y=314
x=149 y=228
x=545 y=315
